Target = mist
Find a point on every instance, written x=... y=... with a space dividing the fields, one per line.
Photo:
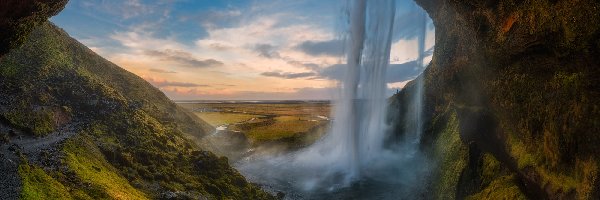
x=351 y=158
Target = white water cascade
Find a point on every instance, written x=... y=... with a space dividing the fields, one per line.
x=414 y=114
x=359 y=129
x=353 y=150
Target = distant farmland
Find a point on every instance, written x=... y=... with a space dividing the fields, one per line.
x=291 y=123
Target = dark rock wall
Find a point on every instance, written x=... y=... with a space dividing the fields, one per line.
x=523 y=80
x=19 y=17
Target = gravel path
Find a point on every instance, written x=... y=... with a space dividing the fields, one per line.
x=10 y=183
x=31 y=148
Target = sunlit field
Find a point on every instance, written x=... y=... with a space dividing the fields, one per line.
x=294 y=123
x=220 y=118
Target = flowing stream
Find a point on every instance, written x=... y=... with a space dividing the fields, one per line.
x=351 y=161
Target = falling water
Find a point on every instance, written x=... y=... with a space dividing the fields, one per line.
x=361 y=110
x=353 y=149
x=414 y=118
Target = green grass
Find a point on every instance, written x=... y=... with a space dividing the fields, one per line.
x=39 y=185
x=287 y=118
x=91 y=168
x=219 y=118
x=279 y=109
x=283 y=127
x=289 y=123
x=38 y=123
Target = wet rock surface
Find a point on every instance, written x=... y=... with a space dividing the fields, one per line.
x=528 y=69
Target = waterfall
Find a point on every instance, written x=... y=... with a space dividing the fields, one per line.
x=353 y=151
x=414 y=118
x=358 y=131
x=363 y=106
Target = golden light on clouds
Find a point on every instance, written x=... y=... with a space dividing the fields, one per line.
x=260 y=51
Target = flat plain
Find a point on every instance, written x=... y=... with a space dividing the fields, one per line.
x=293 y=123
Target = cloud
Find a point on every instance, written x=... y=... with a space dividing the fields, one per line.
x=310 y=66
x=164 y=83
x=266 y=50
x=402 y=72
x=161 y=71
x=334 y=72
x=306 y=93
x=408 y=25
x=227 y=85
x=127 y=9
x=219 y=47
x=218 y=18
x=395 y=72
x=318 y=48
x=183 y=58
x=288 y=75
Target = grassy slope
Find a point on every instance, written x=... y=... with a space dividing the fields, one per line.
x=39 y=185
x=131 y=137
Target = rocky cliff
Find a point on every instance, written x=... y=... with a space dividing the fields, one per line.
x=512 y=99
x=19 y=17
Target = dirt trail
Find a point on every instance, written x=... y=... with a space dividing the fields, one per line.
x=30 y=147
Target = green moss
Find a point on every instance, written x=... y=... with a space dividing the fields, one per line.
x=8 y=69
x=90 y=167
x=39 y=123
x=533 y=65
x=587 y=172
x=491 y=168
x=496 y=181
x=452 y=155
x=568 y=80
x=39 y=185
x=521 y=153
x=501 y=188
x=540 y=159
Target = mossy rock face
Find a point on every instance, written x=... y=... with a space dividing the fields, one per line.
x=452 y=157
x=531 y=69
x=19 y=17
x=130 y=141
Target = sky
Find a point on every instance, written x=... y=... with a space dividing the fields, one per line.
x=235 y=49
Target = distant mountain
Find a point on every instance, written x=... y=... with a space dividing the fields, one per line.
x=74 y=125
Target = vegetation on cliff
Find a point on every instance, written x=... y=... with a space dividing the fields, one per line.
x=129 y=140
x=522 y=78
